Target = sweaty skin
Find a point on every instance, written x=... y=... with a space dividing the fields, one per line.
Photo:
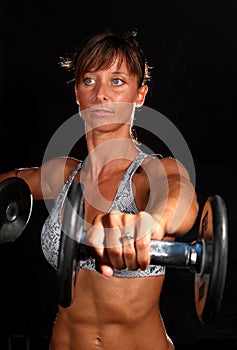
x=107 y=312
x=91 y=322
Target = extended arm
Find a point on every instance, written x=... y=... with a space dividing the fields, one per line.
x=45 y=181
x=173 y=200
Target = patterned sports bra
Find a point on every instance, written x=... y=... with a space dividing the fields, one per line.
x=123 y=201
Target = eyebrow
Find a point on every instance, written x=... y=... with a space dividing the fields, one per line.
x=120 y=72
x=115 y=72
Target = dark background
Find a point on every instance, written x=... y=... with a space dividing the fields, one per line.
x=192 y=46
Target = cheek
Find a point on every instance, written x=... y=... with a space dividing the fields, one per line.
x=88 y=98
x=84 y=99
x=128 y=95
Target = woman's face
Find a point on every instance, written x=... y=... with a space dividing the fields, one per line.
x=109 y=95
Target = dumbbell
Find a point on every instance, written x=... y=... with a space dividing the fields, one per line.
x=206 y=258
x=15 y=208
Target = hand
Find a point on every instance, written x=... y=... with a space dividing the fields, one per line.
x=119 y=240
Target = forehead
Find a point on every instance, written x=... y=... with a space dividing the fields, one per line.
x=113 y=61
x=115 y=66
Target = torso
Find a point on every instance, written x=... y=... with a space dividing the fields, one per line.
x=111 y=314
x=103 y=310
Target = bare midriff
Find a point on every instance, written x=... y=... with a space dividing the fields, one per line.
x=112 y=314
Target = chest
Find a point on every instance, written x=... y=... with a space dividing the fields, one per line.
x=101 y=193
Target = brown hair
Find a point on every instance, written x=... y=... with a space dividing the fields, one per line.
x=100 y=50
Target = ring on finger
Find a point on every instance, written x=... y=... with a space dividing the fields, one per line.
x=128 y=235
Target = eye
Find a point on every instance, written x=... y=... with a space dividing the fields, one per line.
x=88 y=81
x=118 y=81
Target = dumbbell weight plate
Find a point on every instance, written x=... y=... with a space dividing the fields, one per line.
x=71 y=232
x=210 y=281
x=15 y=208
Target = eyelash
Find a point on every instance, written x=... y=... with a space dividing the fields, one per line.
x=85 y=80
x=121 y=80
x=91 y=79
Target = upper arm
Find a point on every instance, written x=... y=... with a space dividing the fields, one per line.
x=162 y=171
x=169 y=178
x=46 y=181
x=173 y=194
x=173 y=167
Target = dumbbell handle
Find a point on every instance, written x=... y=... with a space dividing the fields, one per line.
x=172 y=254
x=177 y=254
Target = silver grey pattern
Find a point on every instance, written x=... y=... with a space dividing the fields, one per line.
x=123 y=201
x=51 y=230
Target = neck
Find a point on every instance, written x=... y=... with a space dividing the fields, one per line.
x=110 y=154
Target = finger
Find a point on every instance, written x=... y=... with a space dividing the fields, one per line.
x=104 y=266
x=145 y=225
x=128 y=241
x=143 y=251
x=129 y=251
x=106 y=270
x=114 y=247
x=158 y=230
x=112 y=223
x=94 y=239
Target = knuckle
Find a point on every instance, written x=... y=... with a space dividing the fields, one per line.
x=114 y=252
x=141 y=244
x=129 y=255
x=144 y=262
x=133 y=267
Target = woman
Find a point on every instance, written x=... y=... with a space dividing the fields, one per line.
x=131 y=198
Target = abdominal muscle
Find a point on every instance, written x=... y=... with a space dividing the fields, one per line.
x=112 y=314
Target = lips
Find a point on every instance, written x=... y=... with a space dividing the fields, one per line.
x=101 y=112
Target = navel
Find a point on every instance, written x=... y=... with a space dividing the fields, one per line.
x=98 y=341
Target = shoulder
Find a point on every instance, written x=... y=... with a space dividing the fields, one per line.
x=56 y=171
x=62 y=164
x=168 y=165
x=69 y=163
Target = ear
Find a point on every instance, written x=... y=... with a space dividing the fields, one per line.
x=76 y=95
x=142 y=91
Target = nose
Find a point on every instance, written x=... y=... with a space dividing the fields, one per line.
x=102 y=93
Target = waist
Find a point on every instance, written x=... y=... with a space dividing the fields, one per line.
x=145 y=334
x=114 y=300
x=112 y=313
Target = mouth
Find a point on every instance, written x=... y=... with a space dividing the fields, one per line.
x=101 y=112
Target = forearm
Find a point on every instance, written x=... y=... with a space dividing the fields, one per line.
x=30 y=175
x=23 y=173
x=6 y=175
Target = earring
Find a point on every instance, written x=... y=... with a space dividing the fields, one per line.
x=138 y=105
